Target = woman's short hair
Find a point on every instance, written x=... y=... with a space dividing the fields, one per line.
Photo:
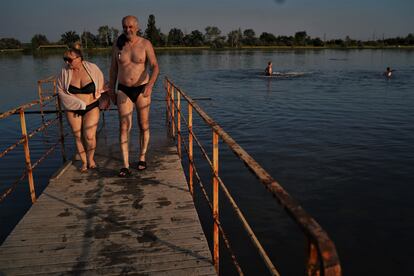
x=76 y=48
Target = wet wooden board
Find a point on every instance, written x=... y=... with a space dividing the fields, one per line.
x=98 y=223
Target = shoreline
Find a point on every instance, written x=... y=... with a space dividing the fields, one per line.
x=189 y=48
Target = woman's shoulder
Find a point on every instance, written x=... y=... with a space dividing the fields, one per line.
x=64 y=71
x=91 y=65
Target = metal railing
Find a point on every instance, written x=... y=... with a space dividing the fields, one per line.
x=47 y=93
x=322 y=258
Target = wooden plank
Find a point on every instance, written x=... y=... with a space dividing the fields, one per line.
x=98 y=223
x=111 y=262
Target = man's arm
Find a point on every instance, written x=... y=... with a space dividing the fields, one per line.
x=152 y=59
x=113 y=74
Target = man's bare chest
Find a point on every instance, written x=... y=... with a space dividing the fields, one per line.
x=131 y=55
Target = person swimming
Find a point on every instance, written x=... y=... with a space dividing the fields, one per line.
x=388 y=72
x=269 y=69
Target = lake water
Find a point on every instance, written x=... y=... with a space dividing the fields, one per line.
x=330 y=129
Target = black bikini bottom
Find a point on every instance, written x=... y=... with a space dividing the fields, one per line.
x=88 y=108
x=131 y=91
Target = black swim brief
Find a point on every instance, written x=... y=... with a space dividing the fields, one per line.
x=88 y=108
x=131 y=91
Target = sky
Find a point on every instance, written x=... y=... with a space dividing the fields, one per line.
x=359 y=19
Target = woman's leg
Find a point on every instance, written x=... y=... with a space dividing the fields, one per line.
x=90 y=125
x=75 y=122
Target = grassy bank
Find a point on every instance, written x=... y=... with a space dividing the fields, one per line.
x=185 y=48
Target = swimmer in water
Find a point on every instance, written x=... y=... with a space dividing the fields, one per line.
x=388 y=72
x=269 y=69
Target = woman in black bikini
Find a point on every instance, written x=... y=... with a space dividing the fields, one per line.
x=80 y=86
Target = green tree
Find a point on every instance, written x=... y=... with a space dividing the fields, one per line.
x=195 y=38
x=104 y=36
x=10 y=43
x=69 y=38
x=152 y=33
x=39 y=39
x=349 y=42
x=175 y=37
x=89 y=40
x=249 y=37
x=212 y=34
x=317 y=42
x=114 y=35
x=300 y=38
x=284 y=40
x=212 y=37
x=234 y=38
x=267 y=39
x=409 y=40
x=163 y=38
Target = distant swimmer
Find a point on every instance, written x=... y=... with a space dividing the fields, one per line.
x=388 y=72
x=269 y=70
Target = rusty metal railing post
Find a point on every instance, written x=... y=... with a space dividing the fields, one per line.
x=215 y=203
x=172 y=112
x=39 y=91
x=60 y=116
x=179 y=124
x=27 y=156
x=312 y=262
x=167 y=98
x=190 y=148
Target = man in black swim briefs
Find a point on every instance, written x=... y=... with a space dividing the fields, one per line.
x=128 y=66
x=131 y=92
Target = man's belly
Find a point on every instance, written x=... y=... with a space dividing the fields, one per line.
x=132 y=75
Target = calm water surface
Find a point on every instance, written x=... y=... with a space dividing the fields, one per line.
x=334 y=133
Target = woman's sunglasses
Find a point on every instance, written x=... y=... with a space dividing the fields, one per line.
x=68 y=59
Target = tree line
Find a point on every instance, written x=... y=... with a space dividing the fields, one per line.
x=212 y=37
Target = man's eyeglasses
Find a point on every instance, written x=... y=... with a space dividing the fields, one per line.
x=68 y=59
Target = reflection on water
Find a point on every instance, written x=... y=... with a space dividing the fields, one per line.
x=338 y=137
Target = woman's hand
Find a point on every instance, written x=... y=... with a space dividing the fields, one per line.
x=104 y=101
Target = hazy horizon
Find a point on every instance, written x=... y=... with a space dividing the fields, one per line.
x=21 y=19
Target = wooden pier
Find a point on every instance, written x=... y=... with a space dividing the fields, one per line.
x=97 y=223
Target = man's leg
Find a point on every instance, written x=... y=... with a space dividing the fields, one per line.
x=143 y=109
x=125 y=108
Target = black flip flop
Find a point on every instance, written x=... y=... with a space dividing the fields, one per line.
x=124 y=172
x=142 y=165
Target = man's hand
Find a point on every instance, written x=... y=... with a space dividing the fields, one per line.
x=147 y=90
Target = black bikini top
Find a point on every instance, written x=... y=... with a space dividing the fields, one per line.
x=87 y=89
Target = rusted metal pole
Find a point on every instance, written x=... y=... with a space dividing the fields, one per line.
x=249 y=230
x=25 y=106
x=179 y=124
x=312 y=262
x=172 y=113
x=60 y=116
x=190 y=148
x=39 y=91
x=167 y=98
x=27 y=156
x=215 y=204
